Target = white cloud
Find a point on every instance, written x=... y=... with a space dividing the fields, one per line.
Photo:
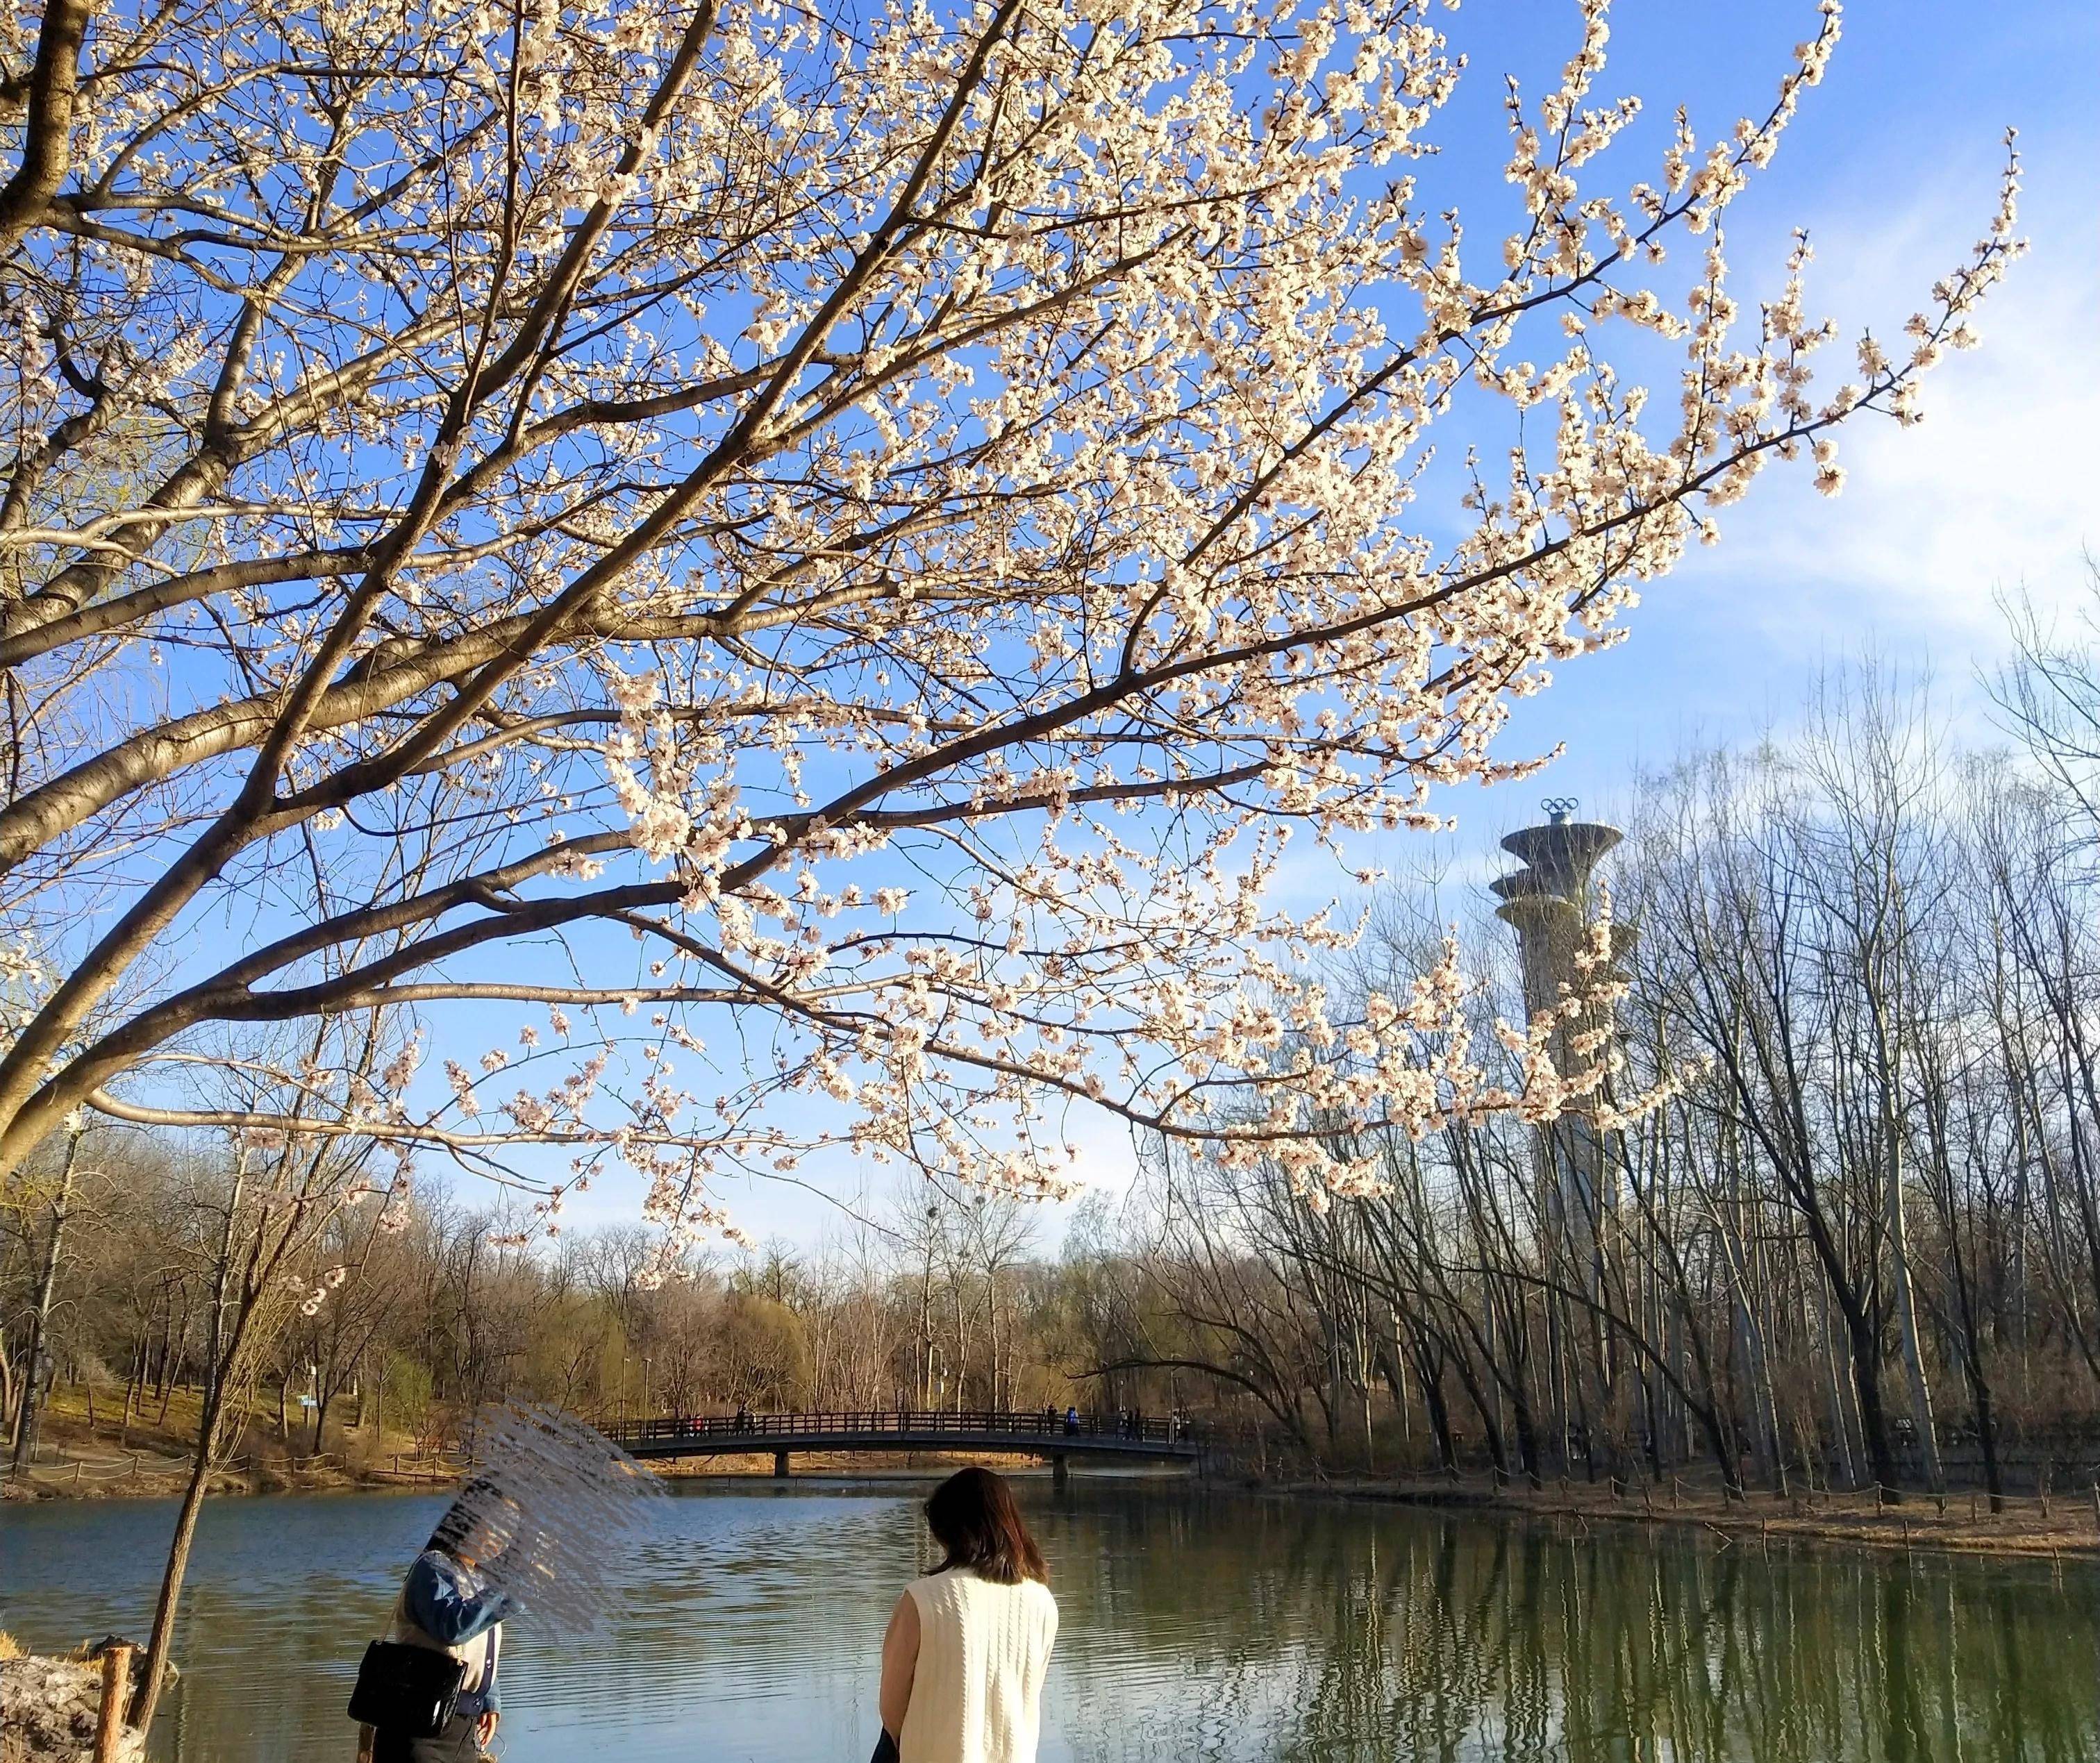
x=1999 y=488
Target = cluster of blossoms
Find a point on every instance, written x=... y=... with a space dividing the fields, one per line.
x=609 y=476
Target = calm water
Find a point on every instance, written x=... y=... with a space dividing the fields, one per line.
x=1196 y=1627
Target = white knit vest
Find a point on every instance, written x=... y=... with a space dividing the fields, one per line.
x=976 y=1691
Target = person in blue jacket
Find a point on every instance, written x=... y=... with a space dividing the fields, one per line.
x=449 y=1603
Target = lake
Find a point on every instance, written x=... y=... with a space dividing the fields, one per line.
x=1198 y=1624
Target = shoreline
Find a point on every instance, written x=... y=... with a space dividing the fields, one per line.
x=2030 y=1527
x=56 y=1483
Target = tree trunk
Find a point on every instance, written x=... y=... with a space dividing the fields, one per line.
x=1440 y=1418
x=1488 y=1410
x=222 y=1275
x=157 y=1648
x=991 y=1333
x=1906 y=1309
x=1979 y=1391
x=162 y=1640
x=1873 y=1418
x=1527 y=1437
x=134 y=1389
x=167 y=1385
x=1833 y=1394
x=26 y=1425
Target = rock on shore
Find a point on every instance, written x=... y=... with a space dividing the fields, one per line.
x=48 y=1709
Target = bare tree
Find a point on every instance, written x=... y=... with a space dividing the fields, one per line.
x=276 y=1225
x=2049 y=697
x=35 y=1349
x=875 y=514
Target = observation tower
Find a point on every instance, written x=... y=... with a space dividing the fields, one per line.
x=1549 y=903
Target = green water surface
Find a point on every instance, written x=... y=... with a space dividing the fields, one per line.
x=1196 y=1625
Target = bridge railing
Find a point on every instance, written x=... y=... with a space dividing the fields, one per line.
x=1035 y=1425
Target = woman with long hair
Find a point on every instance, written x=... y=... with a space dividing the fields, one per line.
x=964 y=1659
x=448 y=1604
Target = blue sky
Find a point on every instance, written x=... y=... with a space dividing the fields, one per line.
x=1892 y=165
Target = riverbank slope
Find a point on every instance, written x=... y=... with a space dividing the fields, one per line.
x=49 y=1709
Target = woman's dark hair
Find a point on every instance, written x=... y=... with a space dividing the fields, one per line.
x=972 y=1516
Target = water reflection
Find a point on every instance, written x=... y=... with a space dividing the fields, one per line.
x=1195 y=1627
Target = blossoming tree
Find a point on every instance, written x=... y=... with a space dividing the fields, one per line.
x=849 y=542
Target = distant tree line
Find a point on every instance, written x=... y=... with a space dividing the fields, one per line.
x=1857 y=1241
x=403 y=1333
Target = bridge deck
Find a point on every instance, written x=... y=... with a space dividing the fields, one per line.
x=1034 y=1434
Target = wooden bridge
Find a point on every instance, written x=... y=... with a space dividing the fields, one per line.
x=1037 y=1433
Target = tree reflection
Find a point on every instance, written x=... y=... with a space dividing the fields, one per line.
x=1353 y=1635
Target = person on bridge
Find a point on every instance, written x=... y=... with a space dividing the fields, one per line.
x=964 y=1659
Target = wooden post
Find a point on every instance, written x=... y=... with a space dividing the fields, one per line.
x=2096 y=1503
x=780 y=1466
x=116 y=1691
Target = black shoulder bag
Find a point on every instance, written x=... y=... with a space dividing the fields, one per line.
x=411 y=1690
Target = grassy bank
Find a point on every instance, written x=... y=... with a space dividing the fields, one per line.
x=89 y=1450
